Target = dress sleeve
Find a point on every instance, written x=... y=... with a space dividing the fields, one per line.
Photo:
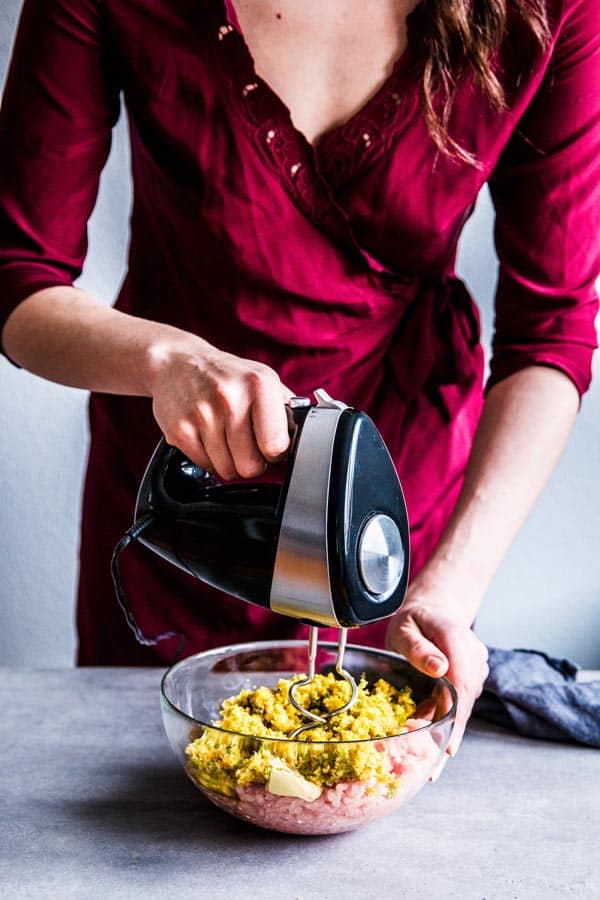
x=546 y=191
x=60 y=103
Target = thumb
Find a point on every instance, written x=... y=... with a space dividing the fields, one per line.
x=404 y=636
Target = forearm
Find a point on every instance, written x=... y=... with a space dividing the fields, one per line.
x=524 y=426
x=65 y=335
x=225 y=412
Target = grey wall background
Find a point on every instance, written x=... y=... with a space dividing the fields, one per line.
x=547 y=594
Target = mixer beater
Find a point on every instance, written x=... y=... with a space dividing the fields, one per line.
x=316 y=719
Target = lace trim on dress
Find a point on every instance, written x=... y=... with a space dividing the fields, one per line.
x=345 y=148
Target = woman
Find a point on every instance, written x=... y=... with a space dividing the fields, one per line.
x=302 y=173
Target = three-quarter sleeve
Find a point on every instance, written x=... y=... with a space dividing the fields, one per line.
x=60 y=103
x=546 y=192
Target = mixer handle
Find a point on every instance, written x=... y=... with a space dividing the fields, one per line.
x=168 y=465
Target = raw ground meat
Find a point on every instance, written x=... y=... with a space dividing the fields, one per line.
x=348 y=804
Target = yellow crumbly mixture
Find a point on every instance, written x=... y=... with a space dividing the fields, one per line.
x=222 y=761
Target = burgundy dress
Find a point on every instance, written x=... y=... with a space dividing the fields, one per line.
x=335 y=266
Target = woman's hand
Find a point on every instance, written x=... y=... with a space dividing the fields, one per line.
x=435 y=636
x=225 y=413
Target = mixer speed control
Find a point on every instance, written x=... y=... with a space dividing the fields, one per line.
x=381 y=556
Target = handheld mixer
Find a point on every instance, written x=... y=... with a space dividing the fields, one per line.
x=329 y=546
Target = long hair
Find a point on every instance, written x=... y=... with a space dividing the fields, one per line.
x=463 y=35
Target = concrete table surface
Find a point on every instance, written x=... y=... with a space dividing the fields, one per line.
x=94 y=805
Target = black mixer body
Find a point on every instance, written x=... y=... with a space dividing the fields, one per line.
x=223 y=534
x=328 y=544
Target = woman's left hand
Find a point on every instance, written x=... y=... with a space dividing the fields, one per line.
x=435 y=635
x=524 y=425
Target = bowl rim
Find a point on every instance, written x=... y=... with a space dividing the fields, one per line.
x=274 y=645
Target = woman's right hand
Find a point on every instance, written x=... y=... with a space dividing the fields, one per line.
x=223 y=412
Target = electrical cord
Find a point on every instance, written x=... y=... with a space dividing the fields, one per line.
x=131 y=535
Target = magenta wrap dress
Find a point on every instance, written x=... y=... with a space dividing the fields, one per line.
x=333 y=265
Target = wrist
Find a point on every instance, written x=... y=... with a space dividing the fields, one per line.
x=168 y=348
x=452 y=589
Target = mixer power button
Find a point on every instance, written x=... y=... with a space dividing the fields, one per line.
x=381 y=556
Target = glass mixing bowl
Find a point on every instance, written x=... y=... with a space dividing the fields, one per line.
x=193 y=690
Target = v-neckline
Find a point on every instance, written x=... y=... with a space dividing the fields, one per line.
x=379 y=105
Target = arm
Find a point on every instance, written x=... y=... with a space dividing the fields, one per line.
x=546 y=191
x=60 y=104
x=63 y=334
x=523 y=428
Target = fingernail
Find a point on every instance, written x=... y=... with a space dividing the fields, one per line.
x=434 y=664
x=438 y=770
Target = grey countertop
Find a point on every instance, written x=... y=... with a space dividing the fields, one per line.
x=94 y=804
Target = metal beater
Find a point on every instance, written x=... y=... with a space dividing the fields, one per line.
x=345 y=675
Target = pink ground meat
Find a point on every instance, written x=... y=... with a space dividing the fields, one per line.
x=348 y=804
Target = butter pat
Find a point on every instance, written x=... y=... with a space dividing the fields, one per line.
x=285 y=782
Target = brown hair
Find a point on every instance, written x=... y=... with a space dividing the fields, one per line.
x=462 y=35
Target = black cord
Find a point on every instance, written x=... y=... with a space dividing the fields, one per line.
x=131 y=535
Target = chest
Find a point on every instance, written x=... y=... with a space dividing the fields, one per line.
x=214 y=144
x=324 y=60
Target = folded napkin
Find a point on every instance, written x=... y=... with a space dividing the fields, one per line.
x=537 y=695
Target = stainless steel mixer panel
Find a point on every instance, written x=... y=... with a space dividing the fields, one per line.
x=301 y=582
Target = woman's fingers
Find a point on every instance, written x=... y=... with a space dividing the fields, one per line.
x=463 y=711
x=256 y=430
x=247 y=458
x=467 y=671
x=234 y=407
x=217 y=449
x=424 y=635
x=269 y=420
x=439 y=769
x=469 y=684
x=242 y=422
x=201 y=457
x=185 y=437
x=406 y=637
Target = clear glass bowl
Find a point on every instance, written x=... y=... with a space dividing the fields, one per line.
x=193 y=690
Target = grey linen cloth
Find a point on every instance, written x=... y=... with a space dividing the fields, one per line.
x=537 y=695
